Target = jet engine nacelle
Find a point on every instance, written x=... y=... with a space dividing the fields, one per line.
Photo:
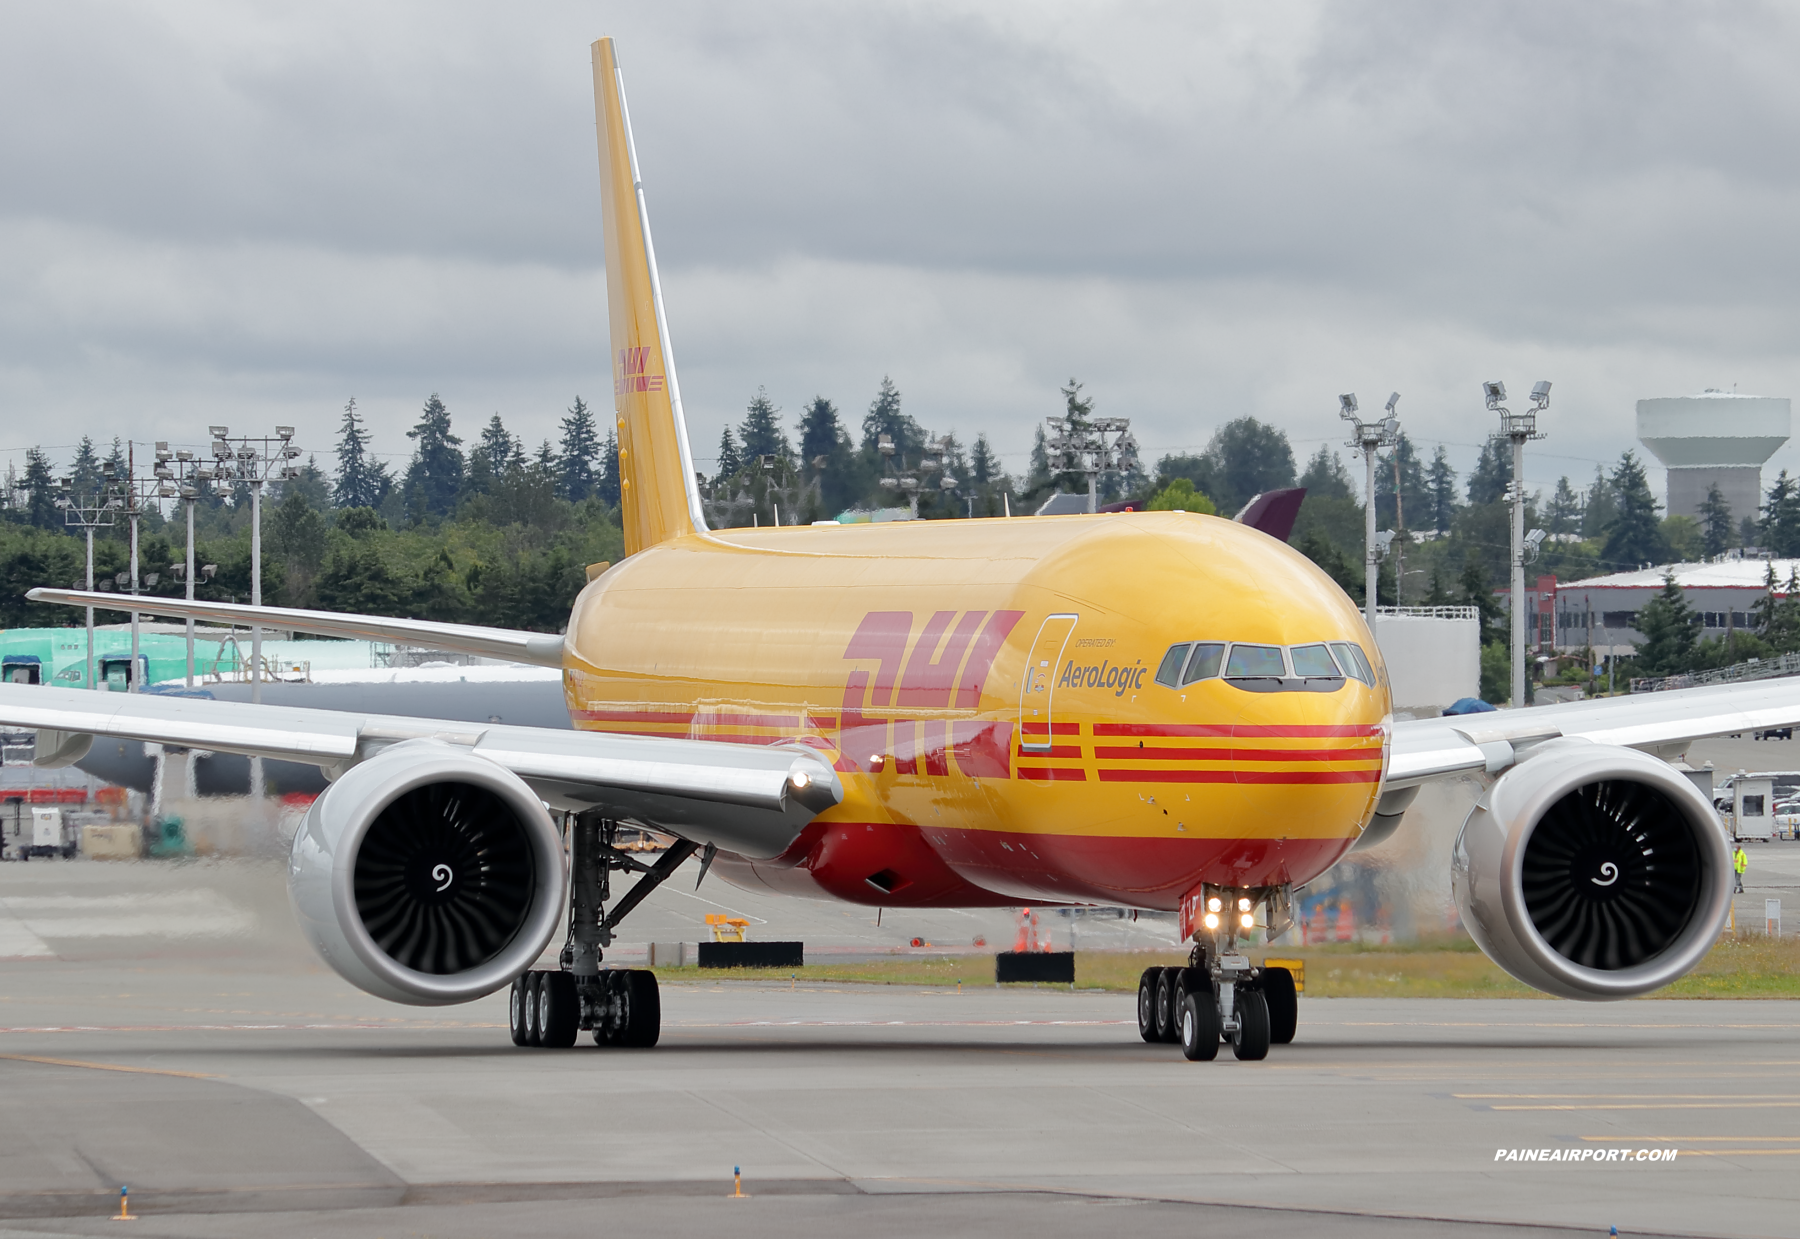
x=1593 y=871
x=427 y=875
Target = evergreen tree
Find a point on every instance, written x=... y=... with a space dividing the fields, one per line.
x=606 y=486
x=84 y=470
x=1440 y=481
x=1076 y=423
x=1040 y=462
x=1601 y=507
x=362 y=482
x=1777 y=613
x=117 y=464
x=1415 y=499
x=1492 y=473
x=1479 y=593
x=1716 y=526
x=1326 y=477
x=580 y=451
x=1669 y=628
x=436 y=473
x=761 y=433
x=886 y=418
x=1635 y=535
x=984 y=467
x=1779 y=531
x=1563 y=514
x=40 y=499
x=729 y=459
x=825 y=449
x=499 y=446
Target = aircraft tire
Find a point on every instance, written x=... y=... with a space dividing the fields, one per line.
x=1167 y=1018
x=1251 y=1041
x=642 y=1024
x=1284 y=1004
x=515 y=1008
x=1199 y=1028
x=532 y=981
x=559 y=1010
x=1146 y=1005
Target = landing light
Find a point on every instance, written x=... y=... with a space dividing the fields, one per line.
x=1243 y=905
x=1248 y=920
x=800 y=780
x=1212 y=919
x=1214 y=905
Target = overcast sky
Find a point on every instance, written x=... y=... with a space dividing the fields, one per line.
x=226 y=212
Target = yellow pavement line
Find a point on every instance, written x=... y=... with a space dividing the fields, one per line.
x=1629 y=1096
x=76 y=1062
x=1670 y=1105
x=1690 y=1139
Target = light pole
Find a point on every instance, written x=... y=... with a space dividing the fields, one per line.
x=254 y=460
x=89 y=513
x=179 y=474
x=1370 y=438
x=1516 y=428
x=1081 y=446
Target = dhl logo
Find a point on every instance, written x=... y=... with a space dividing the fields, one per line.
x=633 y=362
x=944 y=669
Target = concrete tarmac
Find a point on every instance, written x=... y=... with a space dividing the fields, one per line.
x=174 y=1035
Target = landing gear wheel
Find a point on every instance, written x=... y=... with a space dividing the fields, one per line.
x=516 y=1003
x=1199 y=1028
x=1167 y=1017
x=1187 y=981
x=559 y=1010
x=1284 y=1004
x=1147 y=1004
x=532 y=1010
x=641 y=1026
x=1251 y=1041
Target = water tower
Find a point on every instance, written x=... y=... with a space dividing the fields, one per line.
x=1718 y=438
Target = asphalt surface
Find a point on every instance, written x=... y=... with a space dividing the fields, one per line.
x=177 y=1038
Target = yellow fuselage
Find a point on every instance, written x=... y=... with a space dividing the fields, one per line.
x=986 y=690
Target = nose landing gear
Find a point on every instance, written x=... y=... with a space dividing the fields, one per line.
x=1220 y=996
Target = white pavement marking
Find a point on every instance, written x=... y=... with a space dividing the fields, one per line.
x=181 y=914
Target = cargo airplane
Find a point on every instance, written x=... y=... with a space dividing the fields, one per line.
x=1157 y=710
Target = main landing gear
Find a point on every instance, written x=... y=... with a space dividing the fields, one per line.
x=1219 y=997
x=620 y=1006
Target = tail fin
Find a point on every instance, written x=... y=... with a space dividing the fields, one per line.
x=658 y=498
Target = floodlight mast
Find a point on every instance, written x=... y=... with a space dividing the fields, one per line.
x=88 y=512
x=1517 y=428
x=1370 y=438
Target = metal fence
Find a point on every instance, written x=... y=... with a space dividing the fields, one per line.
x=1755 y=669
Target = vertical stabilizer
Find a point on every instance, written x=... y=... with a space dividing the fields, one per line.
x=658 y=498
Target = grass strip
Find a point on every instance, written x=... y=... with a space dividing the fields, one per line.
x=1749 y=966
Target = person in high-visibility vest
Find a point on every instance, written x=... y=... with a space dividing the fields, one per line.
x=1739 y=862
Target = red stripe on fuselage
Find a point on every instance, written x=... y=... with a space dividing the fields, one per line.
x=1231 y=730
x=1052 y=774
x=1239 y=776
x=1118 y=752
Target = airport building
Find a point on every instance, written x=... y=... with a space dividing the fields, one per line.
x=1717 y=438
x=1602 y=612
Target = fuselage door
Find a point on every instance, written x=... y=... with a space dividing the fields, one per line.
x=1038 y=684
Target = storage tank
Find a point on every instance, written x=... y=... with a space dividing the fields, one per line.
x=1718 y=438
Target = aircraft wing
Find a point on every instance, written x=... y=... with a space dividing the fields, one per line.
x=1664 y=723
x=543 y=649
x=745 y=799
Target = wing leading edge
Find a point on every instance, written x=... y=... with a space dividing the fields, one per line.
x=1663 y=723
x=753 y=801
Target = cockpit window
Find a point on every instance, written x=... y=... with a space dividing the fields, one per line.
x=1354 y=661
x=1318 y=667
x=1314 y=660
x=1169 y=674
x=1204 y=664
x=1249 y=661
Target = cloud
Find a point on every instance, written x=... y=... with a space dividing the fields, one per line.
x=248 y=214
